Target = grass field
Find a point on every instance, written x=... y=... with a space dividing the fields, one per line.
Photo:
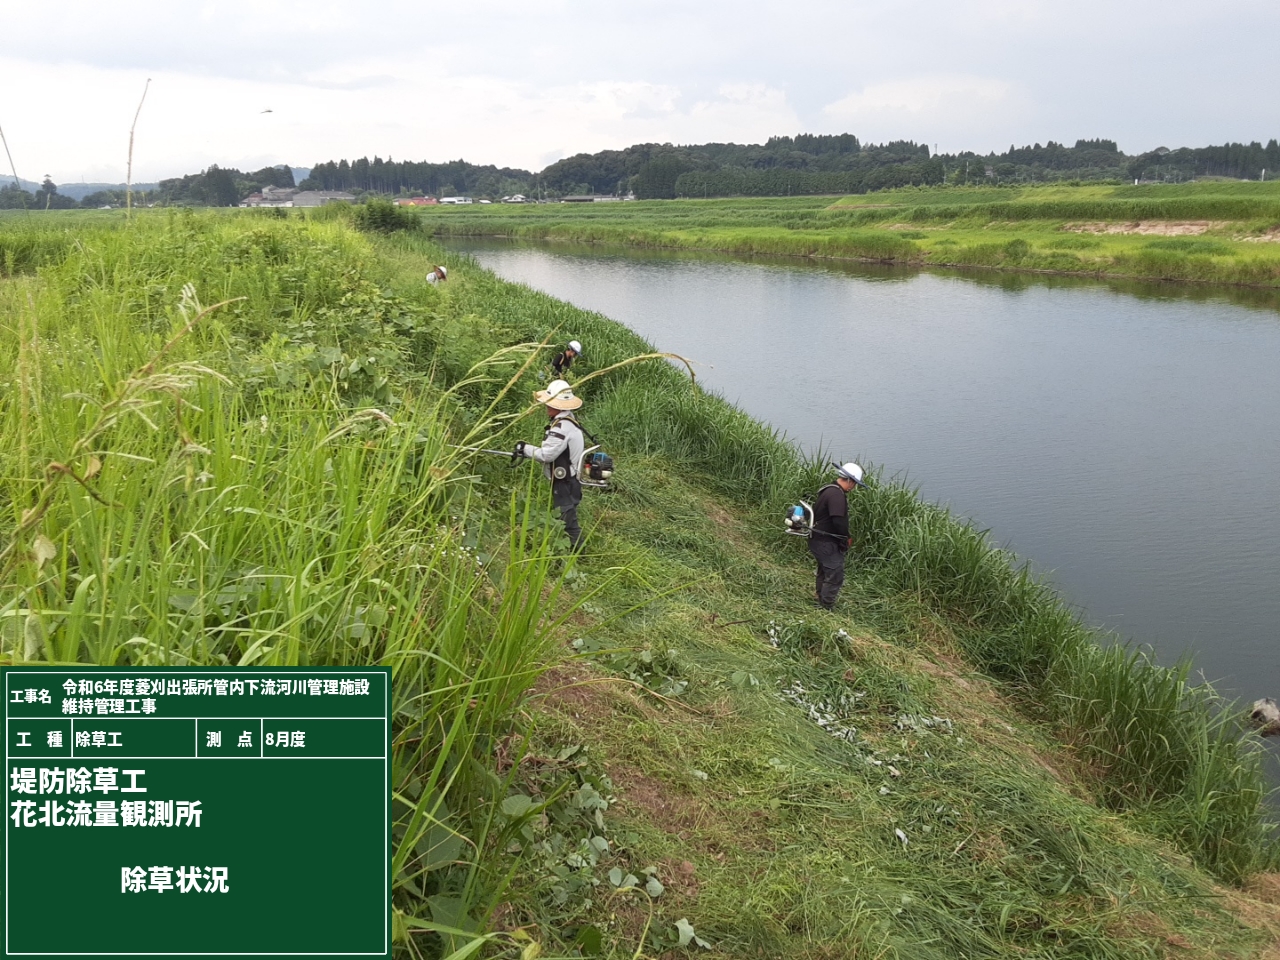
x=227 y=443
x=1213 y=232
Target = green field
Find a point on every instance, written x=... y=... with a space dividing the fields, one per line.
x=1224 y=232
x=227 y=441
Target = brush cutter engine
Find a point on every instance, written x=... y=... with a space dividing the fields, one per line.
x=595 y=468
x=799 y=520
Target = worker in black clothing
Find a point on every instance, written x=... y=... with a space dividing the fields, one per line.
x=830 y=537
x=563 y=360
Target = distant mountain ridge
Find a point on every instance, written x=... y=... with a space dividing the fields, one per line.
x=78 y=191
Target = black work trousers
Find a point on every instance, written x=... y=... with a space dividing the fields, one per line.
x=566 y=494
x=830 y=568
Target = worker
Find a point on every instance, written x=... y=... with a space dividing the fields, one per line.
x=562 y=361
x=560 y=453
x=436 y=274
x=830 y=537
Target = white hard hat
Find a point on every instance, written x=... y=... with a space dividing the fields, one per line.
x=575 y=346
x=850 y=471
x=558 y=395
x=443 y=272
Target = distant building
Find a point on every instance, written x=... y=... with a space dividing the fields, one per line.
x=291 y=197
x=455 y=200
x=271 y=197
x=515 y=198
x=589 y=198
x=416 y=202
x=318 y=198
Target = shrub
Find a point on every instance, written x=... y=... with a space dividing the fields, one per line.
x=383 y=216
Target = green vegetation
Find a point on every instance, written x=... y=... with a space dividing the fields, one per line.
x=1214 y=232
x=794 y=166
x=228 y=443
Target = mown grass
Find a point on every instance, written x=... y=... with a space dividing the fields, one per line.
x=276 y=487
x=1046 y=229
x=1009 y=624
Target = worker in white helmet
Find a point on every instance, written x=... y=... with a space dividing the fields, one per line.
x=830 y=537
x=560 y=453
x=563 y=360
x=437 y=274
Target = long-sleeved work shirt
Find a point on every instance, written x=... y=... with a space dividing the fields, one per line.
x=831 y=515
x=562 y=434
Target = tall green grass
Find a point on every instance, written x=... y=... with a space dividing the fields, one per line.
x=270 y=482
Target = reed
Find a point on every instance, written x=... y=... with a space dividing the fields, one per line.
x=191 y=486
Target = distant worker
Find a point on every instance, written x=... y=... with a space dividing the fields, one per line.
x=560 y=453
x=830 y=538
x=563 y=360
x=437 y=274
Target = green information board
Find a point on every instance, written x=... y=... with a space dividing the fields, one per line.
x=197 y=812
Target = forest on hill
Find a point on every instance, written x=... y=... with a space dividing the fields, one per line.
x=806 y=164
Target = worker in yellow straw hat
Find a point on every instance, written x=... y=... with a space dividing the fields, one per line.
x=560 y=453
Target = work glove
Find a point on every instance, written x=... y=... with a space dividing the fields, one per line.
x=521 y=450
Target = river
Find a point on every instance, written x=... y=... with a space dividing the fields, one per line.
x=1124 y=439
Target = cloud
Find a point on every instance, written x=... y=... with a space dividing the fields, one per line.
x=513 y=83
x=407 y=109
x=928 y=107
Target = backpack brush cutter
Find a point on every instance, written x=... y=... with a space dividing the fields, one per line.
x=799 y=520
x=595 y=468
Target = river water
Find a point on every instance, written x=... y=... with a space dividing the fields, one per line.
x=1126 y=440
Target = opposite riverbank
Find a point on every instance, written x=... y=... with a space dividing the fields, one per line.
x=659 y=741
x=1210 y=232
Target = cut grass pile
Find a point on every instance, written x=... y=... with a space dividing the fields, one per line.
x=657 y=745
x=1030 y=228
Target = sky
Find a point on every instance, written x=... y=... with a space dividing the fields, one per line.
x=247 y=83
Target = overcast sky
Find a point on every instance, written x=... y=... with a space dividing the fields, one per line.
x=525 y=83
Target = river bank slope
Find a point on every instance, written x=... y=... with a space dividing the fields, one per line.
x=613 y=756
x=1207 y=232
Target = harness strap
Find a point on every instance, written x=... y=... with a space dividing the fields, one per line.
x=827 y=533
x=568 y=415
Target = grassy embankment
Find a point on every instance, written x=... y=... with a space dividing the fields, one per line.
x=1216 y=232
x=667 y=702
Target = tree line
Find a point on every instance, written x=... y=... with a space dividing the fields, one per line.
x=781 y=166
x=1238 y=160
x=390 y=177
x=212 y=187
x=803 y=164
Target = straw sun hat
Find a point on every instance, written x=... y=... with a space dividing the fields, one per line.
x=558 y=396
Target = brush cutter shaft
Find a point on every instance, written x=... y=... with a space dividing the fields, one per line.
x=492 y=453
